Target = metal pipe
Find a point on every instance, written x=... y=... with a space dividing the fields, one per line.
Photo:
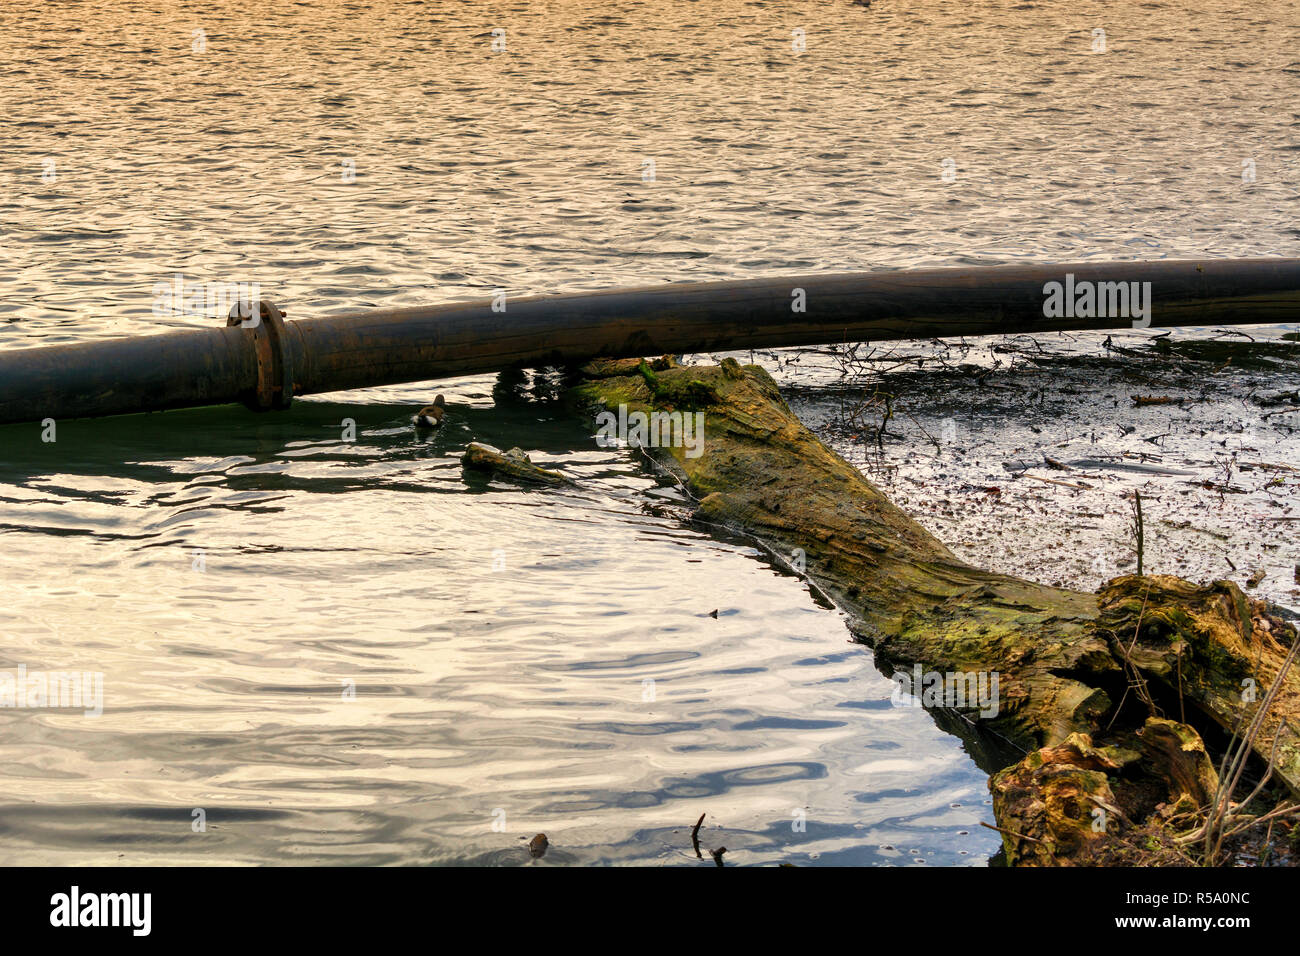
x=390 y=346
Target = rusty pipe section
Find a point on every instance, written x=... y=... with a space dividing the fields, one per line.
x=263 y=364
x=145 y=373
x=242 y=362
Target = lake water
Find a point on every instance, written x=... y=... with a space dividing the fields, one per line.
x=348 y=652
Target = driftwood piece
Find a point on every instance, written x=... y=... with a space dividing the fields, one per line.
x=513 y=464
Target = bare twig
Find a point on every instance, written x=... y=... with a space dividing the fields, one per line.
x=1018 y=836
x=1138 y=529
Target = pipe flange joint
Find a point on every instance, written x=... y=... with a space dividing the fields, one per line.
x=274 y=387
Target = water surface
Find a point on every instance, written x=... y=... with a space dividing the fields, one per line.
x=347 y=651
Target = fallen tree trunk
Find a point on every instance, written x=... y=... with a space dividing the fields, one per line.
x=1064 y=661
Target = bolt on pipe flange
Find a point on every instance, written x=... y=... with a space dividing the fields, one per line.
x=274 y=387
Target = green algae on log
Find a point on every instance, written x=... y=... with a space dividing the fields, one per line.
x=1063 y=661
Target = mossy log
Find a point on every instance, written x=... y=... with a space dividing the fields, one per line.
x=1065 y=659
x=1078 y=803
x=1213 y=648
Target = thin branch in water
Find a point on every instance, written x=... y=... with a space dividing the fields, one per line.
x=1018 y=836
